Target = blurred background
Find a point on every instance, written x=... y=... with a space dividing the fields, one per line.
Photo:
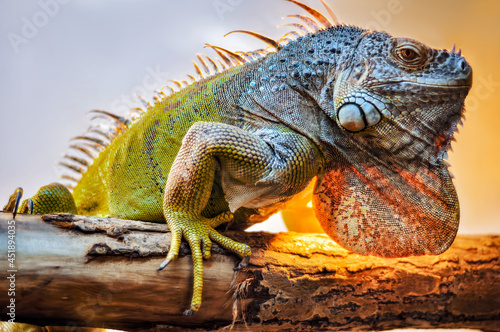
x=61 y=58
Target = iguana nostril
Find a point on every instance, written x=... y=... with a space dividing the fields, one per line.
x=462 y=64
x=465 y=69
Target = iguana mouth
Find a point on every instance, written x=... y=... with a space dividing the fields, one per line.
x=442 y=86
x=454 y=74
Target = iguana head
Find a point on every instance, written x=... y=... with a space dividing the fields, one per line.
x=394 y=105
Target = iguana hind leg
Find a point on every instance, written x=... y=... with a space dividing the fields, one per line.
x=255 y=173
x=51 y=198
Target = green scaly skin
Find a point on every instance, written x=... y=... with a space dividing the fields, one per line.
x=370 y=115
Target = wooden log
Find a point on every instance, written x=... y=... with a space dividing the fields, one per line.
x=80 y=271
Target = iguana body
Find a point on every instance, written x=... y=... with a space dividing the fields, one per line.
x=370 y=115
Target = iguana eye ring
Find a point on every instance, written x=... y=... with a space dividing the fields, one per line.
x=409 y=54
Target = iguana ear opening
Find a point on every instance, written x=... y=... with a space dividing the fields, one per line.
x=373 y=211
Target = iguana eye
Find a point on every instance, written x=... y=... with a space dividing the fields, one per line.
x=409 y=54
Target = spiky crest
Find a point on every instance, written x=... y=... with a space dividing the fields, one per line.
x=311 y=25
x=124 y=122
x=87 y=147
x=81 y=161
x=334 y=18
x=303 y=30
x=84 y=150
x=233 y=59
x=317 y=15
x=267 y=40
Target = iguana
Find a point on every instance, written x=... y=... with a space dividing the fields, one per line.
x=369 y=115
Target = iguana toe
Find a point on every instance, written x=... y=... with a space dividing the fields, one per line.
x=189 y=312
x=206 y=249
x=239 y=248
x=243 y=263
x=199 y=233
x=164 y=264
x=13 y=203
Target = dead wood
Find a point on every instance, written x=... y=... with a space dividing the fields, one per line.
x=75 y=271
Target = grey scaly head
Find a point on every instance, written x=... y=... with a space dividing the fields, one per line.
x=396 y=105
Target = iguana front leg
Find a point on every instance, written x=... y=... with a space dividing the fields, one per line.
x=255 y=173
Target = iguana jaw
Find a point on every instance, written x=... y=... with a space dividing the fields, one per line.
x=461 y=79
x=391 y=193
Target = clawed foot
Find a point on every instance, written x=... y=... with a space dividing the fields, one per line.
x=51 y=198
x=14 y=201
x=200 y=232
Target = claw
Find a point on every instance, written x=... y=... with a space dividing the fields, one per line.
x=30 y=205
x=13 y=203
x=189 y=312
x=242 y=264
x=19 y=195
x=229 y=224
x=164 y=264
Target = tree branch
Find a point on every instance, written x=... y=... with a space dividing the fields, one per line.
x=84 y=271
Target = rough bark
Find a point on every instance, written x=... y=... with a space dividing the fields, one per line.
x=80 y=271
